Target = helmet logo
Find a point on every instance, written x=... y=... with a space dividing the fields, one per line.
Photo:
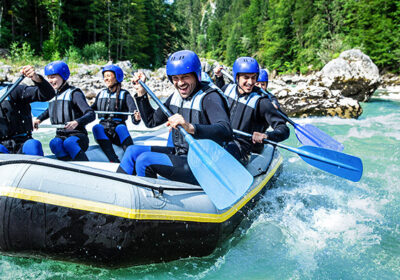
x=177 y=58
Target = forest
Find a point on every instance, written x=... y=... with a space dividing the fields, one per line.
x=295 y=36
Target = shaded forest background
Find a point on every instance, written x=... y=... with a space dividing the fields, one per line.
x=286 y=35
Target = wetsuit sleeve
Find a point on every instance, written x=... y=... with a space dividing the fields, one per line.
x=216 y=112
x=267 y=113
x=94 y=105
x=219 y=81
x=42 y=91
x=79 y=100
x=131 y=107
x=271 y=98
x=151 y=117
x=44 y=116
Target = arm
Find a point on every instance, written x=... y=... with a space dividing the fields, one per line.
x=219 y=78
x=41 y=91
x=219 y=82
x=216 y=111
x=151 y=117
x=130 y=103
x=79 y=100
x=268 y=113
x=94 y=105
x=44 y=116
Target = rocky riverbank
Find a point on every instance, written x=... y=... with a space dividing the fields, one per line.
x=336 y=90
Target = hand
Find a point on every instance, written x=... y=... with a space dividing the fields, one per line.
x=217 y=71
x=135 y=81
x=176 y=120
x=29 y=71
x=137 y=116
x=71 y=125
x=258 y=137
x=36 y=123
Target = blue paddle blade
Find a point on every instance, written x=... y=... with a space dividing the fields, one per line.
x=311 y=135
x=38 y=108
x=339 y=164
x=221 y=176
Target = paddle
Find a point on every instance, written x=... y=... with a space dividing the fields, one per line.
x=339 y=164
x=51 y=125
x=40 y=107
x=306 y=134
x=113 y=113
x=10 y=89
x=220 y=175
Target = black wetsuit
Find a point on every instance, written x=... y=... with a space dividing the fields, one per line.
x=15 y=113
x=206 y=110
x=252 y=113
x=69 y=105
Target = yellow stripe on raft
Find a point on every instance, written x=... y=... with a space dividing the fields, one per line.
x=136 y=214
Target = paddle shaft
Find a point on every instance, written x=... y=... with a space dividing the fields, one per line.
x=114 y=113
x=17 y=82
x=51 y=125
x=301 y=152
x=162 y=107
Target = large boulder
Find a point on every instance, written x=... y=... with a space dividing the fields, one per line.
x=353 y=73
x=304 y=101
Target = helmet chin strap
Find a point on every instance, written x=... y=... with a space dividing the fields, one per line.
x=62 y=85
x=114 y=86
x=244 y=92
x=237 y=82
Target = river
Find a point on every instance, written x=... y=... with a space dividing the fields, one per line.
x=310 y=225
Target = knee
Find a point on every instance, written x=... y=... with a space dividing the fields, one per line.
x=136 y=150
x=71 y=146
x=32 y=147
x=143 y=161
x=56 y=145
x=99 y=133
x=122 y=132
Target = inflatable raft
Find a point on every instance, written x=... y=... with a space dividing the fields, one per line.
x=81 y=212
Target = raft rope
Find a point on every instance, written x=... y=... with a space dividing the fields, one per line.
x=159 y=189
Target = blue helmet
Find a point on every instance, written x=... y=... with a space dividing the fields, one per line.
x=263 y=77
x=245 y=65
x=183 y=62
x=119 y=74
x=57 y=67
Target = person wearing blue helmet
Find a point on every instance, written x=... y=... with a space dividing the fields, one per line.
x=112 y=128
x=199 y=107
x=262 y=81
x=16 y=117
x=70 y=108
x=249 y=111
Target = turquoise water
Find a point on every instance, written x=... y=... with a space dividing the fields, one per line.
x=311 y=225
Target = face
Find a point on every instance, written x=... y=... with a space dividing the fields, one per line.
x=109 y=78
x=246 y=82
x=185 y=84
x=55 y=81
x=262 y=85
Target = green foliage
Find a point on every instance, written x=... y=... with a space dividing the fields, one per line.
x=50 y=47
x=293 y=35
x=20 y=52
x=286 y=35
x=94 y=52
x=73 y=54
